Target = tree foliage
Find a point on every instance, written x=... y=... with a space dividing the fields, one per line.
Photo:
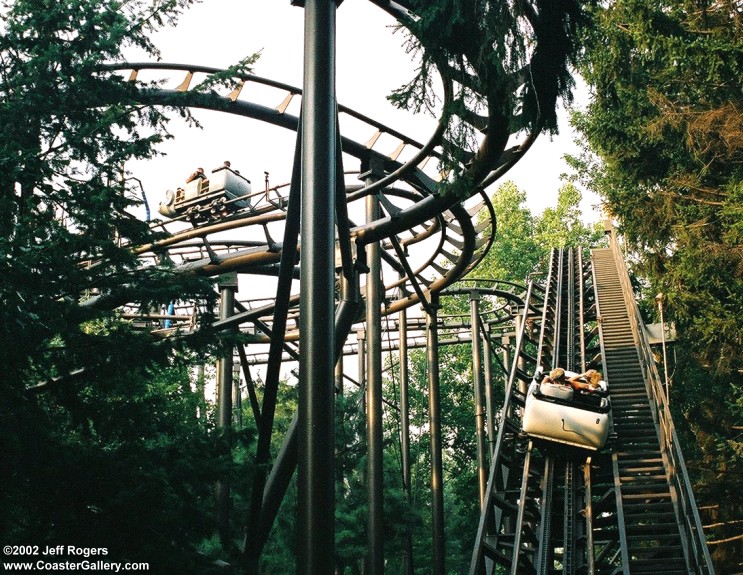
x=64 y=199
x=666 y=122
x=510 y=64
x=562 y=226
x=515 y=252
x=107 y=449
x=523 y=242
x=665 y=151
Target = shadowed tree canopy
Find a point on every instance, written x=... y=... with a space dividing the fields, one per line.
x=65 y=199
x=88 y=460
x=510 y=64
x=665 y=151
x=667 y=123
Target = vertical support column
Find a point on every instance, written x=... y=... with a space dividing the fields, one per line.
x=434 y=417
x=506 y=342
x=237 y=398
x=405 y=432
x=316 y=447
x=374 y=461
x=506 y=345
x=588 y=515
x=227 y=289
x=482 y=465
x=489 y=391
x=518 y=319
x=339 y=375
x=361 y=347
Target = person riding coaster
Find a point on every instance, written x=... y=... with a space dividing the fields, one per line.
x=568 y=407
x=589 y=381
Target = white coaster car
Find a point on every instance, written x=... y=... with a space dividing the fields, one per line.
x=558 y=413
x=208 y=198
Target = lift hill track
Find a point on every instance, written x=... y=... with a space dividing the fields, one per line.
x=626 y=509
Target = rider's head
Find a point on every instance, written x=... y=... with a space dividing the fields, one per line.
x=557 y=375
x=593 y=377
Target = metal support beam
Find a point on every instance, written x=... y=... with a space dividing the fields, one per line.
x=273 y=367
x=518 y=320
x=227 y=289
x=316 y=448
x=405 y=434
x=374 y=466
x=482 y=463
x=489 y=391
x=434 y=416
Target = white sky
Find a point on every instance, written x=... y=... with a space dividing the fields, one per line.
x=371 y=62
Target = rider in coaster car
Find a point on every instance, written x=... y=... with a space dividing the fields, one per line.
x=588 y=381
x=556 y=376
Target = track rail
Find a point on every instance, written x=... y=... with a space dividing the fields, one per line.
x=659 y=526
x=453 y=236
x=625 y=509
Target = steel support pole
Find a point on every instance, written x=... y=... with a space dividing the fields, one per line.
x=489 y=391
x=374 y=469
x=237 y=399
x=292 y=229
x=361 y=350
x=339 y=375
x=434 y=417
x=482 y=464
x=506 y=345
x=517 y=320
x=286 y=460
x=316 y=447
x=405 y=433
x=506 y=341
x=227 y=288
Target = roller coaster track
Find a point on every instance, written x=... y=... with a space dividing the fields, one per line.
x=412 y=213
x=625 y=509
x=451 y=232
x=502 y=297
x=427 y=240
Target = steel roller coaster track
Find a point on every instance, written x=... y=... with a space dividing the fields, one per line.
x=403 y=207
x=627 y=508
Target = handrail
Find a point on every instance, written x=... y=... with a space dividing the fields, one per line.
x=508 y=418
x=695 y=544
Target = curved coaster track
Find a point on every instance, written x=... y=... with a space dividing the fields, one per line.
x=428 y=228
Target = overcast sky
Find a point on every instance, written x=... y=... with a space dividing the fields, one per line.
x=371 y=62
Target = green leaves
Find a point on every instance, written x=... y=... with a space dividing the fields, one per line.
x=523 y=242
x=115 y=437
x=665 y=128
x=666 y=122
x=69 y=128
x=507 y=64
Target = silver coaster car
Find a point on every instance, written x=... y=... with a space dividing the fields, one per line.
x=556 y=412
x=205 y=198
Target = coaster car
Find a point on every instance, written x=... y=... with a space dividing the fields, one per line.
x=208 y=198
x=560 y=414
